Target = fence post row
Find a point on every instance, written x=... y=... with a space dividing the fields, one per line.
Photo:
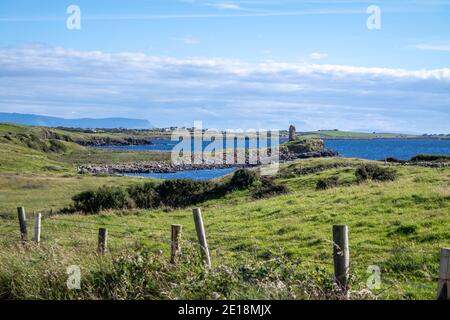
x=341 y=253
x=102 y=240
x=444 y=275
x=199 y=227
x=175 y=249
x=37 y=228
x=341 y=256
x=22 y=223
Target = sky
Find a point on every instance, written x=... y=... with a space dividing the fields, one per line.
x=258 y=64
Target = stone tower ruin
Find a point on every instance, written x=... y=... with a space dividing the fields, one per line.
x=292 y=133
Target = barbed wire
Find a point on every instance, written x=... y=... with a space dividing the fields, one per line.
x=370 y=253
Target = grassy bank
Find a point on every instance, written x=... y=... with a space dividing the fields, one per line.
x=398 y=226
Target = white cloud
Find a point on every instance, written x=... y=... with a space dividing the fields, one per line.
x=434 y=47
x=318 y=55
x=187 y=40
x=224 y=93
x=226 y=5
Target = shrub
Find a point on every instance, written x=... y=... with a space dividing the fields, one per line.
x=144 y=196
x=430 y=157
x=370 y=171
x=327 y=183
x=183 y=192
x=242 y=179
x=266 y=191
x=268 y=188
x=102 y=199
x=394 y=160
x=57 y=146
x=86 y=201
x=406 y=229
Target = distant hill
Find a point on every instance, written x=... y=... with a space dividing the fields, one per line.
x=85 y=123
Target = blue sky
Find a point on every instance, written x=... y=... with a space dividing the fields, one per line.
x=231 y=64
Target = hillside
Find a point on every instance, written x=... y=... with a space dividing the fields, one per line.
x=85 y=137
x=46 y=121
x=46 y=150
x=269 y=246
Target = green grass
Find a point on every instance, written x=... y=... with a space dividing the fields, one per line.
x=110 y=156
x=20 y=159
x=398 y=226
x=9 y=128
x=332 y=134
x=27 y=156
x=40 y=192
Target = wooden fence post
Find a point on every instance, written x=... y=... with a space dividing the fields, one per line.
x=22 y=223
x=37 y=228
x=102 y=240
x=444 y=275
x=201 y=237
x=175 y=251
x=341 y=256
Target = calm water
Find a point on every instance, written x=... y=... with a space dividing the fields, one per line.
x=374 y=149
x=188 y=174
x=378 y=149
x=167 y=145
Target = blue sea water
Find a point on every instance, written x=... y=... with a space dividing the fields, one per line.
x=373 y=149
x=379 y=149
x=167 y=145
x=206 y=174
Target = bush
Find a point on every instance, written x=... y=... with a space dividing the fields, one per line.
x=394 y=160
x=267 y=191
x=170 y=193
x=57 y=146
x=103 y=199
x=406 y=229
x=430 y=157
x=372 y=171
x=242 y=179
x=183 y=192
x=327 y=183
x=144 y=196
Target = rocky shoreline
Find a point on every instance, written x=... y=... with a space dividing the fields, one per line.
x=102 y=142
x=151 y=167
x=169 y=167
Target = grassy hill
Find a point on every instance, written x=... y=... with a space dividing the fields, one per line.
x=80 y=135
x=335 y=134
x=270 y=248
x=44 y=150
x=278 y=247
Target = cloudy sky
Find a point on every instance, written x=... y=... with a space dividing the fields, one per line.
x=232 y=64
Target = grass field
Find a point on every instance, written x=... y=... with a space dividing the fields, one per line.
x=273 y=248
x=398 y=226
x=80 y=136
